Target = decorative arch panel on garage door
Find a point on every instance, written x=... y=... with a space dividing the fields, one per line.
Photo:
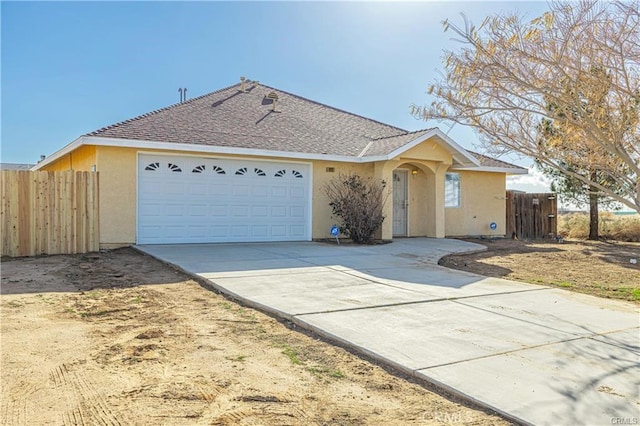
x=185 y=199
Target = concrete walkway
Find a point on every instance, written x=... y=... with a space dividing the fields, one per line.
x=536 y=354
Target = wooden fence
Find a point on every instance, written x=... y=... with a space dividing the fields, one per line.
x=531 y=216
x=49 y=212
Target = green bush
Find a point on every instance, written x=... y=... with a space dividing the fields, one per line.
x=612 y=227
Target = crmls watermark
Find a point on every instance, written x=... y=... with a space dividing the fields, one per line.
x=449 y=418
x=624 y=420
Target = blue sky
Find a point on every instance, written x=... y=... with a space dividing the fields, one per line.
x=69 y=68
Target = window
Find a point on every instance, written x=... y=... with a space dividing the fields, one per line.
x=153 y=166
x=452 y=190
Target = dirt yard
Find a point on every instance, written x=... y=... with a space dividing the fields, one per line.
x=602 y=269
x=118 y=338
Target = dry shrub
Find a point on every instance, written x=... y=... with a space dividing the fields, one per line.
x=612 y=227
x=622 y=228
x=359 y=202
x=574 y=226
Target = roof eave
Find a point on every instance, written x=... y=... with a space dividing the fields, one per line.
x=59 y=153
x=507 y=170
x=203 y=149
x=458 y=153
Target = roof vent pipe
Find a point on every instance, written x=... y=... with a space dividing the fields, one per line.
x=183 y=94
x=242 y=88
x=274 y=98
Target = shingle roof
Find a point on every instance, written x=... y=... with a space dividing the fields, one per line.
x=385 y=145
x=494 y=162
x=234 y=119
x=231 y=118
x=15 y=166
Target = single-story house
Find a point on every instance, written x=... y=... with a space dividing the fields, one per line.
x=248 y=163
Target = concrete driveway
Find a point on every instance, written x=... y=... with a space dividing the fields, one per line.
x=536 y=354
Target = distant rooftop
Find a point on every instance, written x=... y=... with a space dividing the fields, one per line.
x=15 y=166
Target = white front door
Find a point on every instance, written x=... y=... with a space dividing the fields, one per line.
x=184 y=199
x=400 y=203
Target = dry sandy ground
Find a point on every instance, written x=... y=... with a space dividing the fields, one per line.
x=117 y=338
x=593 y=267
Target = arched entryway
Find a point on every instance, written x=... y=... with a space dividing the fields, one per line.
x=414 y=200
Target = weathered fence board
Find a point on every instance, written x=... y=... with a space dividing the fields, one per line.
x=531 y=215
x=49 y=212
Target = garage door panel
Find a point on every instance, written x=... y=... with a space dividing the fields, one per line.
x=297 y=231
x=297 y=211
x=198 y=232
x=197 y=210
x=297 y=192
x=198 y=189
x=150 y=209
x=279 y=191
x=219 y=189
x=150 y=232
x=218 y=232
x=260 y=231
x=176 y=188
x=239 y=211
x=259 y=211
x=279 y=231
x=218 y=211
x=174 y=210
x=240 y=231
x=151 y=187
x=260 y=191
x=221 y=200
x=240 y=190
x=174 y=231
x=279 y=211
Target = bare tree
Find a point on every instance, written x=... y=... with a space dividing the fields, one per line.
x=511 y=74
x=359 y=202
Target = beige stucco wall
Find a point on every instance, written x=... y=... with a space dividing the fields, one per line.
x=482 y=201
x=80 y=159
x=322 y=221
x=429 y=150
x=118 y=175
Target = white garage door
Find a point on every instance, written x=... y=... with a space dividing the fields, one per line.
x=203 y=200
